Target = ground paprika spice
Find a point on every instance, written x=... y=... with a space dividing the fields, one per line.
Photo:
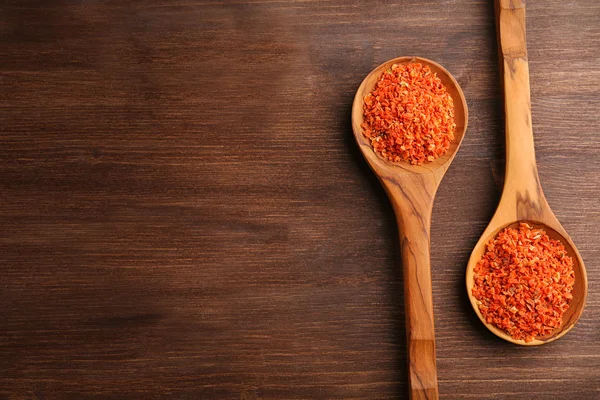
x=523 y=282
x=409 y=115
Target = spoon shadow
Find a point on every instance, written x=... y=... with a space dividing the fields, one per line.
x=393 y=270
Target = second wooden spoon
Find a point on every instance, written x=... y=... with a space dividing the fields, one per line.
x=522 y=198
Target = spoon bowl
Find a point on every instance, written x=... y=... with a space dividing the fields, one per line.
x=579 y=293
x=411 y=190
x=460 y=117
x=522 y=198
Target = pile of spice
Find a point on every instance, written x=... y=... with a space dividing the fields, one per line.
x=524 y=281
x=409 y=115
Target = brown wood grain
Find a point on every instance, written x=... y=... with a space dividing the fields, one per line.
x=184 y=212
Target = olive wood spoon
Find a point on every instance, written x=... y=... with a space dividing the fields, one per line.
x=411 y=190
x=522 y=197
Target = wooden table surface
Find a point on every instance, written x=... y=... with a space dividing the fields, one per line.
x=184 y=213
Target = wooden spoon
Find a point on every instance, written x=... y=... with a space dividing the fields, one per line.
x=522 y=196
x=411 y=190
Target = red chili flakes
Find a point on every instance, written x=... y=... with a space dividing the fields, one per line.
x=524 y=281
x=409 y=115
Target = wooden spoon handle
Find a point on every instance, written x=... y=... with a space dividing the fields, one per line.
x=521 y=171
x=418 y=304
x=413 y=204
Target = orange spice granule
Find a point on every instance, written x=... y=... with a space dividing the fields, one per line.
x=409 y=115
x=524 y=281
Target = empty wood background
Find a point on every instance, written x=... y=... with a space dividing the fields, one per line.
x=184 y=214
